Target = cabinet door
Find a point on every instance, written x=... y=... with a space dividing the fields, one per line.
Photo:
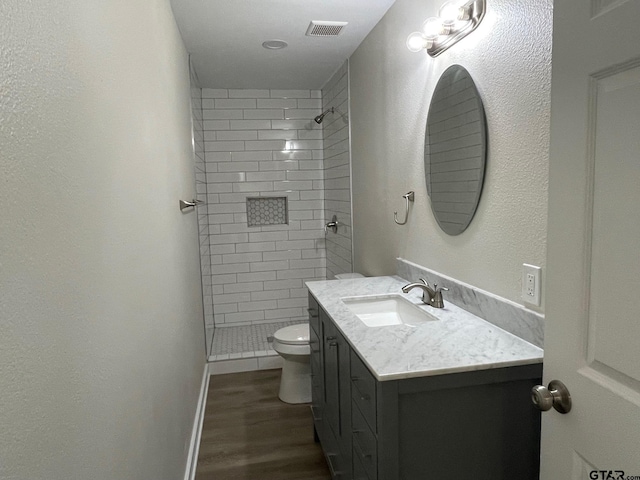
x=344 y=383
x=317 y=370
x=317 y=379
x=337 y=406
x=314 y=315
x=331 y=380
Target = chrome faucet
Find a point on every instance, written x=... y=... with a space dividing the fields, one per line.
x=430 y=296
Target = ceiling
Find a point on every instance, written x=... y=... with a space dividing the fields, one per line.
x=224 y=38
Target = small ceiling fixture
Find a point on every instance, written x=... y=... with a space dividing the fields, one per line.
x=456 y=19
x=320 y=28
x=274 y=44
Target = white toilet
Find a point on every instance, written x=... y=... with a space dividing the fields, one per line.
x=292 y=344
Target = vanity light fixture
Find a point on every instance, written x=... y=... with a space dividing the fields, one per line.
x=455 y=20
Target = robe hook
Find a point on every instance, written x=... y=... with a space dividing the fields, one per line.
x=409 y=197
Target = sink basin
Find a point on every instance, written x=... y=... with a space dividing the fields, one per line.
x=382 y=311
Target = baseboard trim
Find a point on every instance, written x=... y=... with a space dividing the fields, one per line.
x=194 y=447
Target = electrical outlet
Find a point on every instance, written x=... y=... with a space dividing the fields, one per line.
x=531 y=284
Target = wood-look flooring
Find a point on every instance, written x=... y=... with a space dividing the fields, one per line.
x=249 y=434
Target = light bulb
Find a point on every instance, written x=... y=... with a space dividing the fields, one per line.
x=450 y=13
x=416 y=42
x=432 y=28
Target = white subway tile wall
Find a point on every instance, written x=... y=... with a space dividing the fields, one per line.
x=262 y=143
x=337 y=172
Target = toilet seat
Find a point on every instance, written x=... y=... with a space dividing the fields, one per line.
x=293 y=335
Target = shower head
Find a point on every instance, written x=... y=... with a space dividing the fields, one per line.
x=320 y=117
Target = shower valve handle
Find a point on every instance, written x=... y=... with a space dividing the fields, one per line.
x=333 y=225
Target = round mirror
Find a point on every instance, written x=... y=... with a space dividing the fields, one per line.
x=455 y=150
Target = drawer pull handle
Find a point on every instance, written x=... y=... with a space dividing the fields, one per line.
x=328 y=339
x=355 y=379
x=365 y=398
x=333 y=344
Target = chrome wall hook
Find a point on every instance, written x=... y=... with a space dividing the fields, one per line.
x=409 y=197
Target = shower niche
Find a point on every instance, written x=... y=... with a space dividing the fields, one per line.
x=266 y=211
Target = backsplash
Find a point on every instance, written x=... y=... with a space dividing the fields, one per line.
x=503 y=313
x=263 y=143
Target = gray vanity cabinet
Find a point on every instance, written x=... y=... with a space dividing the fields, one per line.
x=330 y=391
x=475 y=424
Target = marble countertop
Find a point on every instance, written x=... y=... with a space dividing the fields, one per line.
x=457 y=342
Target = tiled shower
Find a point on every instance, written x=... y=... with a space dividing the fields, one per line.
x=337 y=171
x=264 y=155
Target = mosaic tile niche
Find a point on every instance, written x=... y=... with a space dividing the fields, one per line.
x=263 y=211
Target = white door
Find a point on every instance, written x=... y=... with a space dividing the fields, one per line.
x=592 y=336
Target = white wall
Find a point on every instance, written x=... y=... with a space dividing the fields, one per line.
x=102 y=350
x=509 y=57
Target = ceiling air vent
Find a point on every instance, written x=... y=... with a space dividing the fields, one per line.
x=319 y=28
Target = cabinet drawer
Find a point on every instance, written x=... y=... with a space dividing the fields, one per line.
x=314 y=315
x=363 y=390
x=365 y=444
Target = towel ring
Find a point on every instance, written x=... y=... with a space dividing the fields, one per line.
x=409 y=197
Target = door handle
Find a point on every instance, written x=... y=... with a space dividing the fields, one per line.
x=556 y=396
